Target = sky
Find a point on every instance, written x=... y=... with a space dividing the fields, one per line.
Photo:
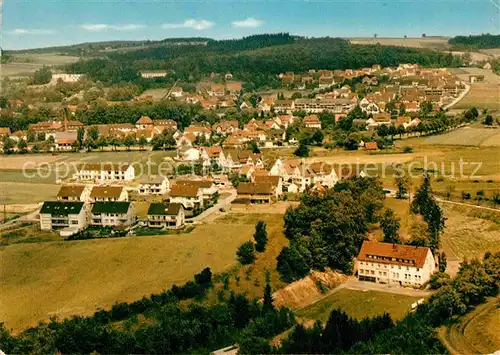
x=42 y=23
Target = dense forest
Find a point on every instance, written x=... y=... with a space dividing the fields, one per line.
x=476 y=42
x=254 y=56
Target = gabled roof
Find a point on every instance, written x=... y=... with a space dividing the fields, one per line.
x=254 y=188
x=103 y=167
x=202 y=184
x=158 y=179
x=61 y=208
x=268 y=179
x=388 y=253
x=111 y=207
x=371 y=146
x=144 y=120
x=71 y=190
x=164 y=209
x=184 y=190
x=106 y=191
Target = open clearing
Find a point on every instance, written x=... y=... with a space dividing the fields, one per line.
x=359 y=304
x=40 y=280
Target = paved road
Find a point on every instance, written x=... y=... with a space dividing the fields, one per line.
x=222 y=203
x=354 y=284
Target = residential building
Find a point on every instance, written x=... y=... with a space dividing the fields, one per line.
x=59 y=214
x=74 y=193
x=275 y=181
x=154 y=185
x=397 y=264
x=189 y=195
x=153 y=74
x=166 y=215
x=207 y=188
x=108 y=193
x=254 y=192
x=105 y=172
x=66 y=77
x=312 y=122
x=113 y=214
x=331 y=105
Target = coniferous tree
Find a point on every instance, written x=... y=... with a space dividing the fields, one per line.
x=390 y=225
x=260 y=236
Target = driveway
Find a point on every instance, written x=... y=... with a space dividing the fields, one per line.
x=221 y=203
x=353 y=284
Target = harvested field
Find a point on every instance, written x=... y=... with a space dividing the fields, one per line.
x=467 y=236
x=467 y=136
x=27 y=193
x=40 y=280
x=418 y=42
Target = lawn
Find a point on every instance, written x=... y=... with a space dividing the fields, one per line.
x=359 y=304
x=40 y=280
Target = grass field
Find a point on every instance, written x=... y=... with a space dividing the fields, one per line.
x=359 y=304
x=40 y=280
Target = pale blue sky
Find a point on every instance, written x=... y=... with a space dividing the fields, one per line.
x=39 y=23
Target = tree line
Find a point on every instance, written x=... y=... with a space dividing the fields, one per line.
x=481 y=41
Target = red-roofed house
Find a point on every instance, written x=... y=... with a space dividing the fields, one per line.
x=388 y=263
x=312 y=121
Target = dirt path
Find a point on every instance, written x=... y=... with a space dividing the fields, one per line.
x=467 y=205
x=455 y=338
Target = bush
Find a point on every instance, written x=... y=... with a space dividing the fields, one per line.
x=407 y=149
x=246 y=253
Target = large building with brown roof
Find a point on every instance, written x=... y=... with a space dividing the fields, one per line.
x=254 y=192
x=403 y=265
x=189 y=195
